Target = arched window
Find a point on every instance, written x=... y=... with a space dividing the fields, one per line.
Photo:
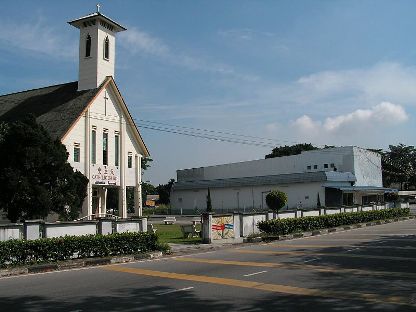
x=88 y=46
x=106 y=48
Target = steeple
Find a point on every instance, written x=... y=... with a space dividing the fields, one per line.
x=97 y=48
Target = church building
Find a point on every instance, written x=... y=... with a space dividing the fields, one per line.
x=91 y=119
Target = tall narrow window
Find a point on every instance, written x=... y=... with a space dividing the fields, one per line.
x=116 y=151
x=94 y=147
x=106 y=48
x=88 y=46
x=77 y=152
x=129 y=160
x=105 y=148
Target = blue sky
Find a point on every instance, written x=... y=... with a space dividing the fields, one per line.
x=325 y=72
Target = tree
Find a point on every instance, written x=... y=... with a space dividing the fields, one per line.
x=276 y=200
x=209 y=203
x=286 y=150
x=399 y=166
x=147 y=189
x=35 y=177
x=145 y=163
x=164 y=192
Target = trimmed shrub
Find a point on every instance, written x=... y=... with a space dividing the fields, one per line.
x=276 y=200
x=26 y=252
x=305 y=224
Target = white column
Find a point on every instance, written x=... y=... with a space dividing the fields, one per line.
x=87 y=162
x=138 y=188
x=122 y=205
x=103 y=197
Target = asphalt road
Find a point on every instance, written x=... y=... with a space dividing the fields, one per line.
x=368 y=269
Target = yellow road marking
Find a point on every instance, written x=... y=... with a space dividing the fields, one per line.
x=285 y=289
x=343 y=246
x=363 y=240
x=295 y=266
x=338 y=254
x=378 y=234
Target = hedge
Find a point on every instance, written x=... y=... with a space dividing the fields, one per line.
x=26 y=252
x=304 y=224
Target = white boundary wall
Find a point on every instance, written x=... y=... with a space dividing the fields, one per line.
x=70 y=229
x=248 y=222
x=11 y=231
x=36 y=229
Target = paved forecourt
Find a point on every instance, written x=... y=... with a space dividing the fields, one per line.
x=360 y=269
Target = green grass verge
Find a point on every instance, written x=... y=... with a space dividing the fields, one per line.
x=171 y=233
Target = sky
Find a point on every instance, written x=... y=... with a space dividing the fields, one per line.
x=264 y=73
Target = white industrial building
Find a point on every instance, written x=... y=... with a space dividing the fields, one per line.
x=339 y=176
x=90 y=118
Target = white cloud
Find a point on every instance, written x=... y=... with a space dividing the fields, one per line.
x=382 y=82
x=245 y=34
x=37 y=36
x=306 y=124
x=380 y=116
x=137 y=41
x=384 y=113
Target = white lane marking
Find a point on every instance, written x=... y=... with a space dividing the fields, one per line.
x=353 y=249
x=173 y=291
x=310 y=260
x=255 y=273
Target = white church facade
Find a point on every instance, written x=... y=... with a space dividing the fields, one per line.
x=91 y=119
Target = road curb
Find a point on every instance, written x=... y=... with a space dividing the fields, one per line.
x=76 y=264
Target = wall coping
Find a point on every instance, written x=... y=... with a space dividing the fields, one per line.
x=11 y=225
x=71 y=223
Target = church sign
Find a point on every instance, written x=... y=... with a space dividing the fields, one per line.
x=105 y=175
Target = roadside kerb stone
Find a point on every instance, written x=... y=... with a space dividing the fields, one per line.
x=297 y=235
x=41 y=268
x=78 y=263
x=13 y=271
x=97 y=261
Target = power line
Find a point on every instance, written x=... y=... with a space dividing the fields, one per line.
x=212 y=135
x=215 y=131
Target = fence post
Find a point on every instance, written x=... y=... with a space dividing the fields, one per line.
x=105 y=226
x=143 y=224
x=236 y=221
x=207 y=227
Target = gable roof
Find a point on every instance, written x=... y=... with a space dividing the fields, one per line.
x=57 y=108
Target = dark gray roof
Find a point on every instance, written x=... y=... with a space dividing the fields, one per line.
x=55 y=107
x=78 y=21
x=378 y=189
x=302 y=177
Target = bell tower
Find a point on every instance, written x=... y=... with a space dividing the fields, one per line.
x=97 y=48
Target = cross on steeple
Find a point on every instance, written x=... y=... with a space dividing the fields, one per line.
x=105 y=103
x=98 y=8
